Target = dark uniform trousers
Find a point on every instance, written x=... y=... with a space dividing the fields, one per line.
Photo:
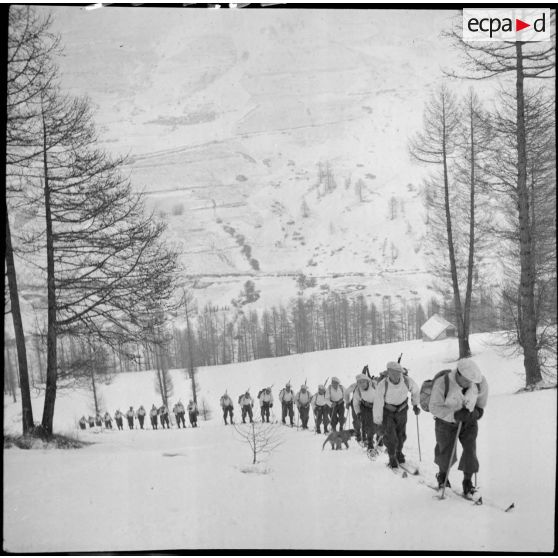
x=247 y=410
x=367 y=419
x=303 y=412
x=228 y=411
x=395 y=430
x=445 y=438
x=287 y=409
x=357 y=424
x=338 y=414
x=265 y=412
x=321 y=414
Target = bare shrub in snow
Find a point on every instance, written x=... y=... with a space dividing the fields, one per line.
x=262 y=438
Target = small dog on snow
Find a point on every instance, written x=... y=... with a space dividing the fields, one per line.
x=337 y=438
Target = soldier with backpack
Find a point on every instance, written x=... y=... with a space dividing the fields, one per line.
x=141 y=415
x=246 y=404
x=227 y=406
x=363 y=402
x=130 y=414
x=286 y=396
x=153 y=416
x=457 y=401
x=335 y=394
x=179 y=413
x=193 y=413
x=302 y=400
x=119 y=418
x=82 y=422
x=266 y=402
x=164 y=416
x=390 y=409
x=320 y=406
x=108 y=420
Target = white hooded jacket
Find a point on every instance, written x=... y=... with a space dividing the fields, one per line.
x=457 y=398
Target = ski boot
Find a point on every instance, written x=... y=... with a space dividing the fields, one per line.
x=441 y=478
x=400 y=457
x=393 y=462
x=468 y=488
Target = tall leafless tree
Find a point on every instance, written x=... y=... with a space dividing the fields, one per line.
x=519 y=62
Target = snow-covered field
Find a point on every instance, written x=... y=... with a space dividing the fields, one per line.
x=196 y=489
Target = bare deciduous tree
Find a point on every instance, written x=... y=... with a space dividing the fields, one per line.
x=517 y=61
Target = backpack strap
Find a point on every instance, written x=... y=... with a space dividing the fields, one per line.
x=405 y=379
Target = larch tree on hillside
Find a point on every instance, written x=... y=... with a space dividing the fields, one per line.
x=438 y=145
x=521 y=62
x=104 y=255
x=31 y=46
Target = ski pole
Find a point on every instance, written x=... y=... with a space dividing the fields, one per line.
x=451 y=459
x=418 y=438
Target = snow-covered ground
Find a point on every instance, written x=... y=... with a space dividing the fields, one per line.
x=196 y=488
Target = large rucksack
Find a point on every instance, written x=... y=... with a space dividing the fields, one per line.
x=426 y=389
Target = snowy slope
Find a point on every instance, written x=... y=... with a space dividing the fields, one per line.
x=226 y=115
x=195 y=488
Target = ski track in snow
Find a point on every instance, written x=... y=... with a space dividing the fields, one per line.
x=197 y=489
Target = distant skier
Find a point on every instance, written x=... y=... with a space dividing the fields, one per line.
x=302 y=401
x=164 y=416
x=98 y=420
x=391 y=407
x=246 y=404
x=91 y=421
x=153 y=412
x=266 y=403
x=130 y=414
x=193 y=413
x=119 y=419
x=179 y=413
x=286 y=396
x=141 y=415
x=83 y=422
x=363 y=402
x=461 y=400
x=108 y=420
x=227 y=406
x=320 y=406
x=335 y=395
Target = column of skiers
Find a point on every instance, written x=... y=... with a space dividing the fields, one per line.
x=160 y=414
x=379 y=407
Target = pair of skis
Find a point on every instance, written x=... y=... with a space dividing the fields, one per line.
x=475 y=498
x=407 y=468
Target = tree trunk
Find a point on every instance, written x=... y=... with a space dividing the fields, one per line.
x=527 y=316
x=191 y=367
x=50 y=393
x=26 y=408
x=464 y=349
x=254 y=446
x=463 y=341
x=93 y=385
